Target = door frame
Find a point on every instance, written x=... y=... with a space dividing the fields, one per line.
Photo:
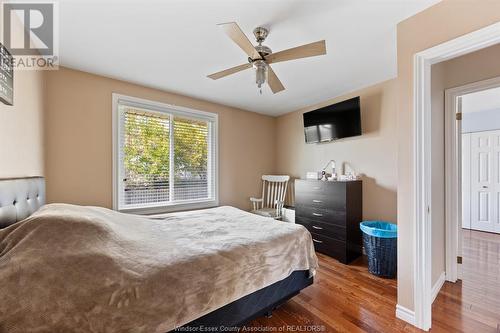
x=453 y=171
x=466 y=187
x=422 y=251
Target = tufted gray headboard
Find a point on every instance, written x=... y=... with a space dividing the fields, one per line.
x=19 y=198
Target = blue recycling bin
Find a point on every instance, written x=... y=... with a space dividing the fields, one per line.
x=380 y=242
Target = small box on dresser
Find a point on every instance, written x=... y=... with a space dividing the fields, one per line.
x=331 y=211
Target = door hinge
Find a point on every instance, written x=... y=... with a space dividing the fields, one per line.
x=459 y=116
x=459 y=260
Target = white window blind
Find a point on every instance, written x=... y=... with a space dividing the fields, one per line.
x=165 y=157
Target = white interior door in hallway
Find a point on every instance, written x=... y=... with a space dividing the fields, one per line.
x=481 y=181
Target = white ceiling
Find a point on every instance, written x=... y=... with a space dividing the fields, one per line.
x=173 y=45
x=485 y=100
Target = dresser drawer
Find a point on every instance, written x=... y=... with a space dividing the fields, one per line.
x=312 y=186
x=319 y=195
x=331 y=247
x=322 y=215
x=324 y=229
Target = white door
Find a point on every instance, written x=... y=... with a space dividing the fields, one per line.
x=484 y=180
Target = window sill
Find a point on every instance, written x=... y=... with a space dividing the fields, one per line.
x=169 y=208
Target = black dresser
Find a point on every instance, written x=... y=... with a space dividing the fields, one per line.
x=331 y=211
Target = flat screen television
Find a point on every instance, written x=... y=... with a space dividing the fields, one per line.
x=333 y=122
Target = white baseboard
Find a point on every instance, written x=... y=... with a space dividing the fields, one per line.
x=409 y=315
x=437 y=286
x=405 y=314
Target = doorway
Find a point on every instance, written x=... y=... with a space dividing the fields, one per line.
x=422 y=172
x=473 y=113
x=472 y=140
x=472 y=156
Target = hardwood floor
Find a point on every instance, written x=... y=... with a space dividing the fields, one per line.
x=346 y=298
x=473 y=304
x=343 y=298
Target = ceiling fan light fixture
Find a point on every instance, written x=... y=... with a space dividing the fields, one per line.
x=261 y=56
x=260 y=72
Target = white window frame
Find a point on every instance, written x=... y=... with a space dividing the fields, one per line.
x=169 y=109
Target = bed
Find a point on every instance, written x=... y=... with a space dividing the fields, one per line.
x=89 y=269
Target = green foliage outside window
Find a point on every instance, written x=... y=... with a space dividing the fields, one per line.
x=147 y=148
x=190 y=148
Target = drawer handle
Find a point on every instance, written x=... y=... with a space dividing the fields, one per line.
x=316 y=188
x=317 y=201
x=317 y=241
x=317 y=214
x=317 y=228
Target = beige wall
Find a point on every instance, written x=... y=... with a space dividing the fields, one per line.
x=446 y=20
x=21 y=125
x=373 y=154
x=78 y=138
x=21 y=128
x=477 y=66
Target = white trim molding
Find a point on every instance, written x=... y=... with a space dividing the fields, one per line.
x=172 y=110
x=405 y=314
x=423 y=61
x=453 y=196
x=437 y=286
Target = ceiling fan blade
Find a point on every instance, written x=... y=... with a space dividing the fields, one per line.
x=304 y=51
x=229 y=71
x=234 y=32
x=273 y=81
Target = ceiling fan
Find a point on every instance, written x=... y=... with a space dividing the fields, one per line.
x=261 y=56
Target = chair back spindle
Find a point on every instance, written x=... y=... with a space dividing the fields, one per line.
x=273 y=195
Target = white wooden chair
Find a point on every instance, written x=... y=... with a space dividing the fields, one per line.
x=273 y=197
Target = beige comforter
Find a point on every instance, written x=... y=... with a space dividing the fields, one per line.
x=87 y=269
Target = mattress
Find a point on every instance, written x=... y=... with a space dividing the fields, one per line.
x=90 y=269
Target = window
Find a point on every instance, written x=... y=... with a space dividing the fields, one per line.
x=165 y=157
